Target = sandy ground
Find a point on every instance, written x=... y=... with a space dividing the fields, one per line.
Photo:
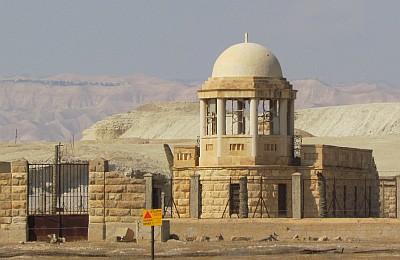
x=202 y=250
x=150 y=157
x=122 y=154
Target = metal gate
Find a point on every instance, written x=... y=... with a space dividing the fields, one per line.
x=58 y=201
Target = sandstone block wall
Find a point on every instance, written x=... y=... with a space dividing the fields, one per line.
x=180 y=191
x=351 y=193
x=115 y=197
x=348 y=192
x=116 y=201
x=387 y=197
x=13 y=201
x=215 y=184
x=321 y=156
x=5 y=199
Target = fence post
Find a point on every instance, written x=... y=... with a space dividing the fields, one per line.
x=323 y=209
x=17 y=206
x=163 y=203
x=148 y=190
x=194 y=197
x=397 y=196
x=97 y=230
x=296 y=196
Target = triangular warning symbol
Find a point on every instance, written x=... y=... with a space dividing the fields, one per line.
x=147 y=215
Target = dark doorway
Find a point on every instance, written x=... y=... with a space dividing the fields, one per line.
x=234 y=200
x=282 y=206
x=156 y=200
x=200 y=199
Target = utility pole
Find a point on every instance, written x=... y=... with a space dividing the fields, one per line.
x=55 y=178
x=16 y=135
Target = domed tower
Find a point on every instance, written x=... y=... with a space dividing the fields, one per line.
x=246 y=110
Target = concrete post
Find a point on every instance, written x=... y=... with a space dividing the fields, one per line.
x=163 y=203
x=221 y=121
x=148 y=191
x=254 y=125
x=398 y=196
x=243 y=198
x=283 y=105
x=194 y=197
x=297 y=195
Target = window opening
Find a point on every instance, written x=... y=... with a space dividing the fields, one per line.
x=211 y=117
x=237 y=117
x=264 y=117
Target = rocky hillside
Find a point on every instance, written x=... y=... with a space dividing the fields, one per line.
x=375 y=119
x=313 y=93
x=181 y=121
x=57 y=107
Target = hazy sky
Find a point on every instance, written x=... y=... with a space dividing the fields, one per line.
x=334 y=41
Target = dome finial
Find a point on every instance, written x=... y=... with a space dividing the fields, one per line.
x=246 y=37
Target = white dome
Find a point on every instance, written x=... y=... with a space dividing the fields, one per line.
x=247 y=60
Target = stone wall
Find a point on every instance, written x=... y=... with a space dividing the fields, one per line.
x=328 y=192
x=215 y=183
x=13 y=202
x=387 y=194
x=5 y=200
x=351 y=192
x=115 y=200
x=181 y=190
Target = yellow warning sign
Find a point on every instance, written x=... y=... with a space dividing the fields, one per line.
x=152 y=217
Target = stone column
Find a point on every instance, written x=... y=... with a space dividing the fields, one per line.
x=19 y=189
x=221 y=121
x=297 y=196
x=254 y=125
x=397 y=196
x=322 y=205
x=283 y=116
x=148 y=191
x=291 y=117
x=275 y=117
x=97 y=211
x=203 y=121
x=243 y=198
x=194 y=197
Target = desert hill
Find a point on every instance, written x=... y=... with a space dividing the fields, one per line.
x=313 y=93
x=57 y=107
x=180 y=120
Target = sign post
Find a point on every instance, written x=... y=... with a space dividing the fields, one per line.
x=152 y=217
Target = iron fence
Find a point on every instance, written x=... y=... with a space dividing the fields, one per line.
x=58 y=188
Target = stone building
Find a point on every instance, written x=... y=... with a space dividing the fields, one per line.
x=249 y=163
x=77 y=201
